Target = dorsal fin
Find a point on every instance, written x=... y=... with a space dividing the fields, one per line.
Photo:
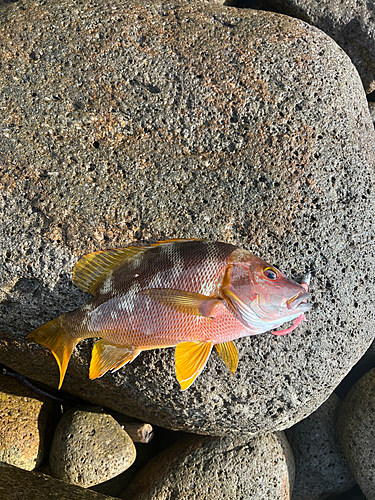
x=92 y=268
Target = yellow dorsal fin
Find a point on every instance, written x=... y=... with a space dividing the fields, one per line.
x=53 y=336
x=107 y=356
x=92 y=268
x=229 y=354
x=185 y=302
x=190 y=359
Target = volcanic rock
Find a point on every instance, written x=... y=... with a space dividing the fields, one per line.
x=321 y=467
x=351 y=24
x=356 y=422
x=134 y=122
x=205 y=468
x=90 y=447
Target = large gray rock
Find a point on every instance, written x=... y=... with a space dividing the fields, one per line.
x=203 y=468
x=129 y=121
x=90 y=447
x=321 y=467
x=356 y=423
x=351 y=24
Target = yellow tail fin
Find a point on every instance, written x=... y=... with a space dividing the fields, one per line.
x=53 y=336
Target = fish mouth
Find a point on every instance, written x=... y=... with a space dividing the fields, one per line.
x=299 y=300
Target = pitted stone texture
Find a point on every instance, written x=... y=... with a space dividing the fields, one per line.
x=351 y=24
x=356 y=423
x=16 y=483
x=24 y=419
x=143 y=121
x=321 y=467
x=201 y=468
x=90 y=447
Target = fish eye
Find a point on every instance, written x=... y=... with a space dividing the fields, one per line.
x=270 y=273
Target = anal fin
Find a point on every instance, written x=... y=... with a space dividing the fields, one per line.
x=229 y=354
x=107 y=356
x=190 y=359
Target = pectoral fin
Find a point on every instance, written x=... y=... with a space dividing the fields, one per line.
x=229 y=354
x=106 y=356
x=186 y=302
x=190 y=359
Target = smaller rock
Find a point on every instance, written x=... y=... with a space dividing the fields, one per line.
x=16 y=483
x=356 y=422
x=24 y=419
x=205 y=468
x=321 y=466
x=90 y=447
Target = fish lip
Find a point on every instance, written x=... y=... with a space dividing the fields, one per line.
x=299 y=300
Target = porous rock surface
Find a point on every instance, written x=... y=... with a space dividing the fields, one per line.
x=138 y=122
x=90 y=447
x=17 y=483
x=356 y=423
x=210 y=468
x=321 y=466
x=351 y=24
x=24 y=421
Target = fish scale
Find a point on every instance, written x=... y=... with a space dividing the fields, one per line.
x=191 y=294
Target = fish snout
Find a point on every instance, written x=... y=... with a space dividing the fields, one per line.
x=299 y=300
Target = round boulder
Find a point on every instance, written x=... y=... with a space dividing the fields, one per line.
x=356 y=423
x=321 y=467
x=144 y=121
x=203 y=468
x=25 y=418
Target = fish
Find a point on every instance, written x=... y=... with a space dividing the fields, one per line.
x=183 y=293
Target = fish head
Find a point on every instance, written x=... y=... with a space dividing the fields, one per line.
x=260 y=295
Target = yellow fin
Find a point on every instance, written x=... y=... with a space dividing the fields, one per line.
x=92 y=268
x=186 y=302
x=190 y=359
x=53 y=336
x=229 y=354
x=107 y=356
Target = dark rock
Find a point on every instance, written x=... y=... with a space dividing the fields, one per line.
x=143 y=121
x=210 y=468
x=371 y=106
x=17 y=483
x=365 y=364
x=356 y=423
x=24 y=421
x=90 y=447
x=321 y=467
x=351 y=24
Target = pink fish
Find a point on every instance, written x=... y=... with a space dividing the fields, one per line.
x=192 y=294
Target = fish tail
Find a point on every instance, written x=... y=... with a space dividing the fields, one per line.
x=53 y=336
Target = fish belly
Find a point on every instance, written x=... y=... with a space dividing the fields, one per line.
x=146 y=324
